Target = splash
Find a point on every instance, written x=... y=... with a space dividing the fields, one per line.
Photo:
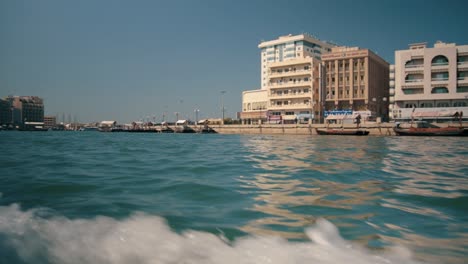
x=142 y=238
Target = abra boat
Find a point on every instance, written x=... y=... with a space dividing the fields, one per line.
x=422 y=128
x=342 y=132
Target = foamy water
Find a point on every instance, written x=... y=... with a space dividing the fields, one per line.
x=175 y=198
x=143 y=238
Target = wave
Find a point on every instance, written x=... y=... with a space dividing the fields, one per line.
x=37 y=236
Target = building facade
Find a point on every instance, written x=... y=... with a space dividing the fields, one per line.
x=254 y=107
x=290 y=81
x=355 y=79
x=290 y=47
x=50 y=121
x=5 y=112
x=430 y=80
x=27 y=109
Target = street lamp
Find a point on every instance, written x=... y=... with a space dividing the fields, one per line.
x=177 y=116
x=222 y=105
x=196 y=115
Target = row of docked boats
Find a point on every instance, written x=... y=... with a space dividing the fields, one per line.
x=414 y=128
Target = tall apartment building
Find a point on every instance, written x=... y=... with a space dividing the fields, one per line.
x=290 y=47
x=429 y=81
x=290 y=75
x=355 y=79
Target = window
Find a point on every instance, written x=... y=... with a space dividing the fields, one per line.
x=443 y=104
x=289 y=113
x=285 y=102
x=462 y=89
x=426 y=105
x=306 y=90
x=439 y=60
x=438 y=90
x=459 y=104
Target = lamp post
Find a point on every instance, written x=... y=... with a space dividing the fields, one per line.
x=196 y=115
x=378 y=107
x=222 y=106
x=177 y=116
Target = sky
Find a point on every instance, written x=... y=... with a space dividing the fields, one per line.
x=99 y=60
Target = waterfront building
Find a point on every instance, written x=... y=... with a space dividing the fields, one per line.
x=430 y=83
x=27 y=109
x=50 y=121
x=254 y=107
x=355 y=79
x=5 y=112
x=290 y=47
x=290 y=81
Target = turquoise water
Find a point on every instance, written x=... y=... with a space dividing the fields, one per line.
x=90 y=197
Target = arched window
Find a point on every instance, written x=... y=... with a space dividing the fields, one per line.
x=249 y=106
x=440 y=60
x=438 y=90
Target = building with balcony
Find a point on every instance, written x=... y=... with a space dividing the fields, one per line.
x=355 y=79
x=290 y=47
x=430 y=79
x=290 y=81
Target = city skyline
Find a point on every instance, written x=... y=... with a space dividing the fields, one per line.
x=124 y=61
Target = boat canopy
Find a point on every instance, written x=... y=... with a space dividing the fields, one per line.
x=203 y=121
x=108 y=123
x=181 y=122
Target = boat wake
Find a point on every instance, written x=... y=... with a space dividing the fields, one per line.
x=34 y=236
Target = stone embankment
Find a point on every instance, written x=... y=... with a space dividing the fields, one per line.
x=375 y=129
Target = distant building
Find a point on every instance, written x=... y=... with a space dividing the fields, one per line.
x=355 y=79
x=429 y=81
x=27 y=109
x=50 y=121
x=5 y=112
x=254 y=107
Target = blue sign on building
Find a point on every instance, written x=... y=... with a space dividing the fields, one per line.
x=337 y=112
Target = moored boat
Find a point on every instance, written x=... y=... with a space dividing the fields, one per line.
x=422 y=128
x=342 y=132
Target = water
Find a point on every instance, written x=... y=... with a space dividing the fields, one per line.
x=90 y=197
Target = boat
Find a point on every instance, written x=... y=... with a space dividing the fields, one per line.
x=181 y=126
x=423 y=128
x=207 y=130
x=342 y=132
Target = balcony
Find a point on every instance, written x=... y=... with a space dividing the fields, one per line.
x=413 y=83
x=290 y=95
x=414 y=67
x=290 y=107
x=290 y=84
x=462 y=65
x=439 y=81
x=291 y=73
x=462 y=80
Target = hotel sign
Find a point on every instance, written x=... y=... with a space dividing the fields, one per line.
x=345 y=54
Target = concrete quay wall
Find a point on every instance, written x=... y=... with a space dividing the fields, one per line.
x=383 y=129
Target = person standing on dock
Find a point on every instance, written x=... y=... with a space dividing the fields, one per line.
x=358 y=120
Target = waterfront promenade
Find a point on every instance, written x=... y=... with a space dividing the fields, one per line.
x=375 y=129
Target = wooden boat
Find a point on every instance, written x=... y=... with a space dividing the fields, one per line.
x=342 y=132
x=422 y=128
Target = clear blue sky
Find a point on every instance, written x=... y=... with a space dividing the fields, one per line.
x=125 y=60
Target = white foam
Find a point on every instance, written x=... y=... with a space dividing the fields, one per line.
x=144 y=238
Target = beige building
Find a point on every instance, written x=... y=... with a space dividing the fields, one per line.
x=430 y=80
x=355 y=79
x=254 y=106
x=50 y=121
x=290 y=81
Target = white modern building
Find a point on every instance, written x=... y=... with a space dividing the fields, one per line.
x=290 y=47
x=430 y=83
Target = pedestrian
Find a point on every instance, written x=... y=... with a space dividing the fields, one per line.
x=358 y=120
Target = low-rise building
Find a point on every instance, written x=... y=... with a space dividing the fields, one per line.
x=50 y=121
x=429 y=81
